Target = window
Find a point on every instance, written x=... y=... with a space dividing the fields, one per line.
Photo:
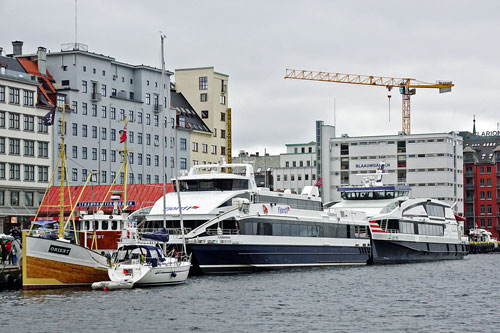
x=222 y=134
x=14 y=198
x=84 y=108
x=2 y=93
x=215 y=133
x=131 y=115
x=156 y=102
x=222 y=99
x=74 y=129
x=139 y=138
x=481 y=182
x=203 y=97
x=195 y=146
x=157 y=120
x=103 y=155
x=103 y=176
x=29 y=148
x=29 y=123
x=94 y=132
x=84 y=153
x=75 y=151
x=213 y=149
x=14 y=146
x=74 y=174
x=204 y=114
x=75 y=106
x=148 y=119
x=148 y=139
x=103 y=90
x=139 y=158
x=29 y=173
x=113 y=156
x=183 y=144
x=222 y=116
x=157 y=160
x=14 y=171
x=43 y=174
x=28 y=97
x=172 y=162
x=28 y=198
x=223 y=151
x=2 y=118
x=14 y=95
x=103 y=111
x=103 y=133
x=139 y=117
x=203 y=83
x=183 y=163
x=84 y=131
x=84 y=86
x=148 y=160
x=14 y=119
x=488 y=182
x=94 y=110
x=94 y=154
x=112 y=113
x=148 y=98
x=84 y=174
x=204 y=148
x=2 y=145
x=43 y=149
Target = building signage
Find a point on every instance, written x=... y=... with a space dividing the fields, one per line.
x=490 y=133
x=105 y=204
x=59 y=250
x=371 y=165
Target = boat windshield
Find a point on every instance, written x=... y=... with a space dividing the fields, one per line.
x=126 y=254
x=194 y=185
x=372 y=195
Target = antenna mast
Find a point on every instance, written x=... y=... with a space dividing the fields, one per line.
x=76 y=23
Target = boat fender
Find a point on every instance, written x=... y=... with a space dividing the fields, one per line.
x=174 y=274
x=9 y=281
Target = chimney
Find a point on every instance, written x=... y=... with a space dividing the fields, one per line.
x=17 y=47
x=42 y=60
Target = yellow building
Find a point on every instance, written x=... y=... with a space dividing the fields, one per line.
x=206 y=91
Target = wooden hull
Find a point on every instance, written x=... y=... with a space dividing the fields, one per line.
x=56 y=264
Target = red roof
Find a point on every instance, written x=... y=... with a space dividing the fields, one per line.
x=32 y=68
x=142 y=195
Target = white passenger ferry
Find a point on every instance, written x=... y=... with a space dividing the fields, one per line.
x=405 y=229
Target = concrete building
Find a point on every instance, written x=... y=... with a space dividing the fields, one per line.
x=431 y=164
x=482 y=181
x=102 y=92
x=297 y=167
x=263 y=165
x=25 y=151
x=207 y=92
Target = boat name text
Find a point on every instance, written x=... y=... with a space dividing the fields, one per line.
x=59 y=250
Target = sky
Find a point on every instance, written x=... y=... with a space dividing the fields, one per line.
x=255 y=41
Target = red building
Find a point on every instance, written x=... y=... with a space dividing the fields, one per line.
x=482 y=182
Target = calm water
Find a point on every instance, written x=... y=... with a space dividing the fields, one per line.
x=448 y=296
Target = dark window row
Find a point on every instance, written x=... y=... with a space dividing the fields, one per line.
x=293 y=203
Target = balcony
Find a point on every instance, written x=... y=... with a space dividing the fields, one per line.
x=498 y=173
x=469 y=186
x=469 y=200
x=469 y=214
x=96 y=97
x=469 y=173
x=157 y=108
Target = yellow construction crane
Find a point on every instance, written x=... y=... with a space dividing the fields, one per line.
x=407 y=86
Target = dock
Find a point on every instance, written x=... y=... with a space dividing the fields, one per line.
x=484 y=247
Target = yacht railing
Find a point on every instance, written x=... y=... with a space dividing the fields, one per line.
x=217 y=231
x=393 y=231
x=171 y=231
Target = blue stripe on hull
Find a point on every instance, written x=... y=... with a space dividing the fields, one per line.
x=398 y=252
x=228 y=258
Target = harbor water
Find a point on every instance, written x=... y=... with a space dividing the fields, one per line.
x=446 y=296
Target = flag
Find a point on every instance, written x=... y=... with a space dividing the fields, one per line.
x=48 y=119
x=319 y=182
x=123 y=134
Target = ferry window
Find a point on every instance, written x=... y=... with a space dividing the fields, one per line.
x=114 y=225
x=313 y=231
x=104 y=225
x=434 y=210
x=277 y=229
x=294 y=230
x=86 y=225
x=96 y=225
x=264 y=228
x=341 y=231
x=303 y=231
x=285 y=229
x=393 y=225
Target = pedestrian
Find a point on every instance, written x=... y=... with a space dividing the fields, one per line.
x=8 y=247
x=4 y=251
x=16 y=233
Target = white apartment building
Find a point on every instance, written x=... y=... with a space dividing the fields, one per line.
x=25 y=150
x=297 y=167
x=431 y=164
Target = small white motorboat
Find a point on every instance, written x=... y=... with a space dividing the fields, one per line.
x=143 y=265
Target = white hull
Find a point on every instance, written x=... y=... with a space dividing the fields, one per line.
x=143 y=275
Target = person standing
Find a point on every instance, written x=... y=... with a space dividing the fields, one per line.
x=4 y=251
x=8 y=247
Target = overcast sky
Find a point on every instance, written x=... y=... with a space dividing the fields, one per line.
x=255 y=41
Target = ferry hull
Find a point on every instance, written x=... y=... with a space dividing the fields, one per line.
x=399 y=252
x=230 y=258
x=51 y=264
